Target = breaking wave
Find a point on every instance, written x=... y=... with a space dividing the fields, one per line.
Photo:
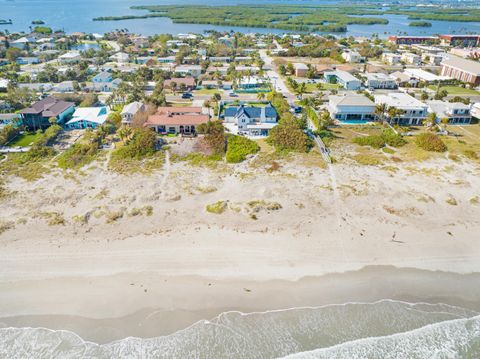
x=352 y=330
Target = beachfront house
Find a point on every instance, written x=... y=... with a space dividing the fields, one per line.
x=88 y=117
x=177 y=120
x=130 y=110
x=351 y=108
x=255 y=120
x=412 y=111
x=455 y=112
x=38 y=114
x=343 y=78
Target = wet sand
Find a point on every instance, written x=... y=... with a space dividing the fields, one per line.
x=103 y=309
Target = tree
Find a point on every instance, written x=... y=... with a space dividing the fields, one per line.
x=12 y=54
x=289 y=136
x=430 y=120
x=124 y=133
x=290 y=68
x=380 y=110
x=282 y=70
x=424 y=96
x=52 y=120
x=301 y=89
x=394 y=112
x=261 y=96
x=214 y=133
x=115 y=119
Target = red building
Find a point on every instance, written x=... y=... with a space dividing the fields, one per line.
x=462 y=69
x=460 y=40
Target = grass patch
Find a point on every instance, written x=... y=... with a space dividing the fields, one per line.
x=456 y=90
x=451 y=201
x=430 y=142
x=367 y=160
x=25 y=139
x=239 y=148
x=217 y=207
x=53 y=218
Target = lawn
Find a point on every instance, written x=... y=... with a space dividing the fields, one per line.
x=208 y=92
x=25 y=139
x=456 y=90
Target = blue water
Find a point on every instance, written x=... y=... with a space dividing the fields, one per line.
x=73 y=16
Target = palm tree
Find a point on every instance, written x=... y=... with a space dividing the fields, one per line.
x=301 y=89
x=430 y=121
x=261 y=96
x=380 y=110
x=394 y=112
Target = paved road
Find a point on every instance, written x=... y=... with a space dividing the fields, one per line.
x=277 y=81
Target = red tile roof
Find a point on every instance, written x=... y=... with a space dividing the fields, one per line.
x=176 y=120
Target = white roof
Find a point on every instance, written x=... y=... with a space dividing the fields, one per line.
x=465 y=65
x=350 y=100
x=441 y=108
x=377 y=76
x=70 y=55
x=300 y=66
x=425 y=75
x=132 y=107
x=90 y=114
x=400 y=100
x=343 y=75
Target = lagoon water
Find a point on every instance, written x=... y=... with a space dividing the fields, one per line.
x=384 y=329
x=73 y=16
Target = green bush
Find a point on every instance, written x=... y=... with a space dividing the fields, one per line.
x=393 y=139
x=7 y=134
x=374 y=141
x=289 y=136
x=378 y=141
x=239 y=148
x=430 y=142
x=142 y=144
x=78 y=155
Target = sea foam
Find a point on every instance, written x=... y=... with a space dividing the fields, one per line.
x=353 y=330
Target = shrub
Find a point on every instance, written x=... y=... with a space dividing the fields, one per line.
x=217 y=207
x=289 y=136
x=78 y=155
x=7 y=134
x=378 y=141
x=214 y=135
x=374 y=141
x=393 y=139
x=430 y=142
x=142 y=144
x=239 y=148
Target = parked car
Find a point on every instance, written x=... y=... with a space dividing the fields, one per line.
x=187 y=95
x=233 y=94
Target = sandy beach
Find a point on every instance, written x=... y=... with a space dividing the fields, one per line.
x=105 y=267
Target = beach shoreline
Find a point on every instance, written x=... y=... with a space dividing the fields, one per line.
x=105 y=309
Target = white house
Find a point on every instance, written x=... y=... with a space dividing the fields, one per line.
x=411 y=58
x=391 y=58
x=378 y=80
x=347 y=80
x=351 y=107
x=70 y=57
x=352 y=56
x=120 y=57
x=192 y=70
x=130 y=110
x=413 y=111
x=456 y=112
x=251 y=120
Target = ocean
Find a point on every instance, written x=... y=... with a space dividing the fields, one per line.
x=73 y=16
x=383 y=329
